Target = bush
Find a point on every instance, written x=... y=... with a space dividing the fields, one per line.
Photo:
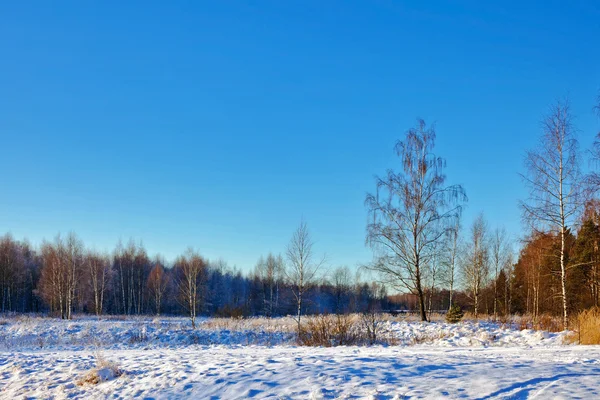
x=371 y=323
x=454 y=315
x=230 y=312
x=329 y=330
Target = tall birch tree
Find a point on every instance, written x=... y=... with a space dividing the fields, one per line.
x=410 y=212
x=556 y=189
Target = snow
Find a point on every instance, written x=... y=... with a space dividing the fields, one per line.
x=223 y=359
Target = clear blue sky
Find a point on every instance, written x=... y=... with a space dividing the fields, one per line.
x=220 y=124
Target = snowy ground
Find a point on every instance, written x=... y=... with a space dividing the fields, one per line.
x=163 y=359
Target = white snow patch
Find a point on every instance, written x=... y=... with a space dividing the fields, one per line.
x=165 y=359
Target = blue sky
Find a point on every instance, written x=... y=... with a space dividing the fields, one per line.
x=219 y=125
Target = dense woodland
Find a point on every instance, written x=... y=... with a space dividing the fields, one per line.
x=424 y=260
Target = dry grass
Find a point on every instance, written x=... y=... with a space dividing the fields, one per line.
x=284 y=324
x=345 y=330
x=104 y=371
x=588 y=327
x=543 y=322
x=330 y=330
x=422 y=338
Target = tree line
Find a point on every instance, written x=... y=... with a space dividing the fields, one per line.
x=63 y=277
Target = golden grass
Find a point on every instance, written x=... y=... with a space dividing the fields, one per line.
x=588 y=327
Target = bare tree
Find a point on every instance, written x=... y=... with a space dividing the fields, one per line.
x=9 y=266
x=99 y=272
x=556 y=190
x=61 y=273
x=157 y=284
x=475 y=264
x=302 y=268
x=411 y=212
x=342 y=282
x=433 y=268
x=192 y=269
x=499 y=253
x=53 y=276
x=269 y=270
x=74 y=262
x=452 y=243
x=508 y=287
x=593 y=177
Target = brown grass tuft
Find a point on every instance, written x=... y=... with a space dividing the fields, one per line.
x=104 y=371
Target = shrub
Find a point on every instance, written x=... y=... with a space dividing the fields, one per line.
x=549 y=323
x=454 y=315
x=371 y=323
x=329 y=330
x=138 y=335
x=230 y=312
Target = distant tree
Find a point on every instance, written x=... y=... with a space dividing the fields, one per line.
x=10 y=267
x=302 y=269
x=593 y=178
x=192 y=271
x=74 y=261
x=508 y=288
x=157 y=285
x=98 y=267
x=556 y=190
x=269 y=272
x=221 y=290
x=475 y=264
x=50 y=285
x=586 y=256
x=411 y=212
x=499 y=254
x=450 y=253
x=61 y=273
x=342 y=284
x=530 y=276
x=433 y=270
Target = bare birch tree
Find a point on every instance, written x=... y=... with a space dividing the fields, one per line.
x=556 y=190
x=302 y=269
x=433 y=269
x=99 y=272
x=192 y=269
x=61 y=273
x=475 y=264
x=499 y=253
x=452 y=243
x=411 y=212
x=508 y=285
x=157 y=285
x=269 y=271
x=593 y=177
x=74 y=263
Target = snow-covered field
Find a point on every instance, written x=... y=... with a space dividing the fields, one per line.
x=223 y=359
